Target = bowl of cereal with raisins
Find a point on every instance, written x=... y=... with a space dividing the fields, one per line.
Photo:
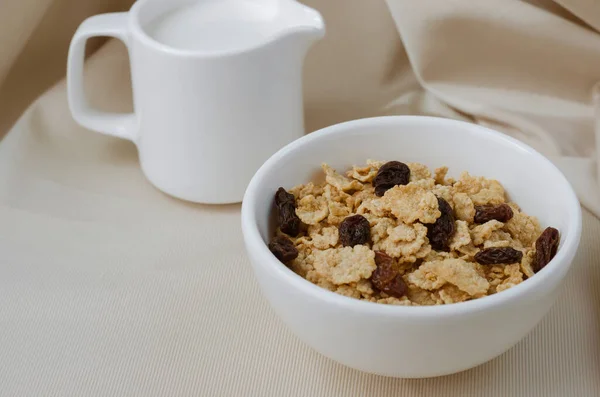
x=410 y=246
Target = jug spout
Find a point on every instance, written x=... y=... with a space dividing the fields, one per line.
x=302 y=20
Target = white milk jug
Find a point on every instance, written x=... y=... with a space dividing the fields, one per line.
x=217 y=88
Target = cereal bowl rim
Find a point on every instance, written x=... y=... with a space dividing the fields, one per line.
x=557 y=267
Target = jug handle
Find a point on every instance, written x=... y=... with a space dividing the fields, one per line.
x=122 y=125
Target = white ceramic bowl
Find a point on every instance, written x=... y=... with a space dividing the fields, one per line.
x=399 y=341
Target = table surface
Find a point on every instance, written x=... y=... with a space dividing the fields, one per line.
x=110 y=287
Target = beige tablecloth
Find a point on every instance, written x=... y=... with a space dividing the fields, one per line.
x=111 y=288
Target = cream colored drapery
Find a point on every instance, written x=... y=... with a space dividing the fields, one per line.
x=108 y=287
x=526 y=68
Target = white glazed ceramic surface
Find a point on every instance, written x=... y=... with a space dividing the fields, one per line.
x=412 y=341
x=204 y=120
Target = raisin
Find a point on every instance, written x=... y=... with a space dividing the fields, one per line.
x=390 y=174
x=440 y=232
x=354 y=230
x=500 y=212
x=283 y=248
x=289 y=223
x=386 y=278
x=498 y=255
x=545 y=248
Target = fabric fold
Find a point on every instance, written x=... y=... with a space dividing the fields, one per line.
x=516 y=67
